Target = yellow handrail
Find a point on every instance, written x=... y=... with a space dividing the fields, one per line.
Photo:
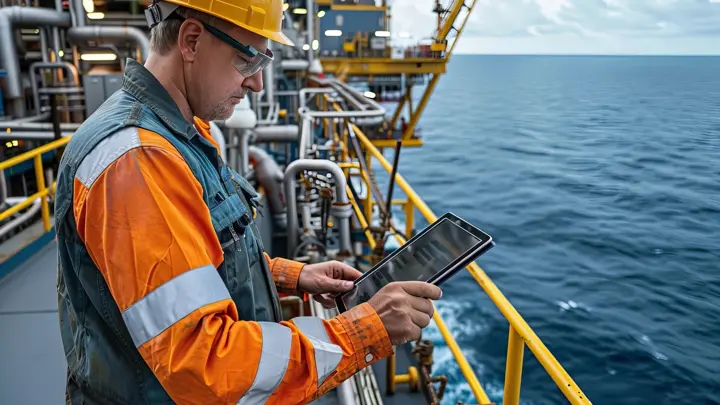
x=43 y=190
x=518 y=326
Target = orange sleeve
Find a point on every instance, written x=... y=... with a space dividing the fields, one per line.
x=285 y=273
x=141 y=215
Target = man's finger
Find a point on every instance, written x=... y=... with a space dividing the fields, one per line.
x=327 y=302
x=421 y=289
x=423 y=305
x=337 y=286
x=348 y=272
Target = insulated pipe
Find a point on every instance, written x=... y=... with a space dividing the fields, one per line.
x=269 y=80
x=218 y=136
x=244 y=154
x=277 y=133
x=110 y=34
x=9 y=60
x=270 y=177
x=305 y=136
x=68 y=67
x=341 y=207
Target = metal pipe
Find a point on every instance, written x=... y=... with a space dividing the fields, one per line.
x=112 y=35
x=10 y=17
x=33 y=135
x=244 y=156
x=34 y=208
x=305 y=136
x=68 y=67
x=311 y=90
x=40 y=126
x=294 y=64
x=56 y=33
x=341 y=208
x=218 y=136
x=310 y=27
x=270 y=176
x=277 y=133
x=80 y=15
x=32 y=118
x=43 y=47
x=269 y=79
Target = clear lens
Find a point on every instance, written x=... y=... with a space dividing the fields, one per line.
x=250 y=67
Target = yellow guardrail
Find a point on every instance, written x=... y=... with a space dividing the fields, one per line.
x=43 y=190
x=520 y=335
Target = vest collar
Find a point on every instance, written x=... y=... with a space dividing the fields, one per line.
x=141 y=84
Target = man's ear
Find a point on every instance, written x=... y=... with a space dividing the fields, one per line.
x=188 y=39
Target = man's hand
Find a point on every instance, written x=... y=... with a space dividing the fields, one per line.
x=329 y=278
x=405 y=308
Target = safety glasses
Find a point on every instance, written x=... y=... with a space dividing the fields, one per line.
x=251 y=60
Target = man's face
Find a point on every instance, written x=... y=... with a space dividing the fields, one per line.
x=214 y=84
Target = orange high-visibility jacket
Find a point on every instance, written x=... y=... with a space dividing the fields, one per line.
x=144 y=217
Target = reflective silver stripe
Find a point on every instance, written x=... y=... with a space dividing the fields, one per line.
x=106 y=152
x=274 y=359
x=327 y=354
x=173 y=301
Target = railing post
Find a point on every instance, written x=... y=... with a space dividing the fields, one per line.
x=513 y=368
x=40 y=180
x=409 y=218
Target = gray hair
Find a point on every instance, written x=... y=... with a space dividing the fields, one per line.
x=164 y=35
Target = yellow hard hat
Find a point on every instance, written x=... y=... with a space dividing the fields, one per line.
x=263 y=17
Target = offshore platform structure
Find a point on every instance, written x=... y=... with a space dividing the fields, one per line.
x=332 y=105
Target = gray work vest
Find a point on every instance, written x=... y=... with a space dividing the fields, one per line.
x=104 y=366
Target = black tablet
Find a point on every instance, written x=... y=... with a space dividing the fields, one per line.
x=433 y=255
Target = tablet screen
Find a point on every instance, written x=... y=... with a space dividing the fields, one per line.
x=419 y=260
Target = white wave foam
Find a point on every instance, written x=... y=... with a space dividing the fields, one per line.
x=570 y=305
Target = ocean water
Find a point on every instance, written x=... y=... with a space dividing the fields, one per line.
x=599 y=178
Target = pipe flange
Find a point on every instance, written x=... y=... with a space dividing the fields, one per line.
x=341 y=210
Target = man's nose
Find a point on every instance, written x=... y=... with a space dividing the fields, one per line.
x=254 y=82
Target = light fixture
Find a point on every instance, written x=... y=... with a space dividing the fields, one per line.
x=8 y=144
x=96 y=16
x=333 y=33
x=321 y=13
x=286 y=6
x=383 y=34
x=315 y=44
x=15 y=143
x=97 y=57
x=369 y=94
x=61 y=53
x=299 y=11
x=306 y=47
x=88 y=5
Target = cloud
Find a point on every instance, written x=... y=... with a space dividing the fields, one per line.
x=603 y=20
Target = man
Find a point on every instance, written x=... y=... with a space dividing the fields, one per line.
x=165 y=292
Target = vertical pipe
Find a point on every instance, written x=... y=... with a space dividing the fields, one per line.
x=56 y=33
x=40 y=177
x=43 y=48
x=310 y=28
x=513 y=368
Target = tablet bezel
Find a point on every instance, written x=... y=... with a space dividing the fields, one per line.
x=484 y=244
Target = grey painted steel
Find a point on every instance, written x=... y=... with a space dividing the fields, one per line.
x=340 y=196
x=111 y=35
x=79 y=11
x=68 y=67
x=310 y=28
x=270 y=177
x=11 y=17
x=45 y=135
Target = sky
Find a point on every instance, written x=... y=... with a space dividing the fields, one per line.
x=675 y=27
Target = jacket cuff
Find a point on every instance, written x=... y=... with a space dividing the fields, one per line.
x=367 y=334
x=286 y=274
